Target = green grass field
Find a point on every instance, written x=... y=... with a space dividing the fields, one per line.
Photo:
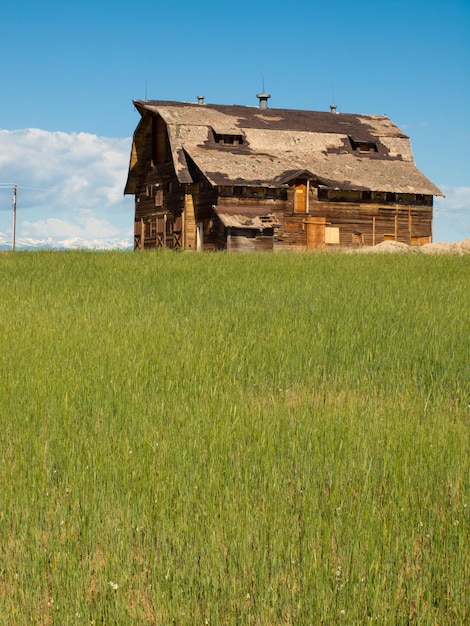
x=234 y=439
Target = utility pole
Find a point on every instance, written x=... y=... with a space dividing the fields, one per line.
x=13 y=201
x=15 y=196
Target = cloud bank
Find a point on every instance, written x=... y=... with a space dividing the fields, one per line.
x=70 y=188
x=70 y=192
x=451 y=220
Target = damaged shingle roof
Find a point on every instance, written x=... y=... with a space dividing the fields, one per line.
x=268 y=144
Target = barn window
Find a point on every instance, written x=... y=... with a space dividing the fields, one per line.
x=227 y=139
x=253 y=192
x=323 y=194
x=390 y=197
x=421 y=198
x=361 y=145
x=366 y=196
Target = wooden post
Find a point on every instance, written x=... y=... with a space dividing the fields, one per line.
x=396 y=225
x=410 y=224
x=190 y=222
x=14 y=199
x=373 y=231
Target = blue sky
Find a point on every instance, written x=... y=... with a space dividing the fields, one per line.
x=70 y=70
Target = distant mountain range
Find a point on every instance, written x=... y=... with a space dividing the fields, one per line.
x=65 y=244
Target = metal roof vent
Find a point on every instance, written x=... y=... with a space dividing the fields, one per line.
x=333 y=108
x=263 y=99
x=200 y=99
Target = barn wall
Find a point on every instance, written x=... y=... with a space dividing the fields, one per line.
x=373 y=223
x=245 y=240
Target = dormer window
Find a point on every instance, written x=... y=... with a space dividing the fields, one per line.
x=360 y=145
x=228 y=140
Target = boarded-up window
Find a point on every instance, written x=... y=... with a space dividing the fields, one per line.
x=159 y=197
x=332 y=234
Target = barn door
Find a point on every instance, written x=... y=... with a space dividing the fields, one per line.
x=300 y=198
x=160 y=238
x=315 y=227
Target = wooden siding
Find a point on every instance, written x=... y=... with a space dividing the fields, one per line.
x=370 y=224
x=241 y=240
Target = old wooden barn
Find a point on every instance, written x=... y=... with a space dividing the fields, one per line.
x=238 y=178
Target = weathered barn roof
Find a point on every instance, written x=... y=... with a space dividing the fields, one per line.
x=238 y=145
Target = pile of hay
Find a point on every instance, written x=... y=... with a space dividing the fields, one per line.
x=460 y=247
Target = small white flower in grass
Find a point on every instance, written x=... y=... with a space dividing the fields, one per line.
x=113 y=585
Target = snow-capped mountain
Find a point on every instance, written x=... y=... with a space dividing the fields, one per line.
x=23 y=243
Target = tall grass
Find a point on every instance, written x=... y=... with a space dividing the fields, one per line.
x=216 y=439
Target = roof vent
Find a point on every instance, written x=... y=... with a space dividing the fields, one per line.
x=200 y=99
x=333 y=108
x=263 y=99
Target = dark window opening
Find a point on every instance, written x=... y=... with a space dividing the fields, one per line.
x=390 y=197
x=366 y=196
x=363 y=146
x=228 y=140
x=323 y=194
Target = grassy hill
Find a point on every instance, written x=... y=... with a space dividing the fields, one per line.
x=216 y=439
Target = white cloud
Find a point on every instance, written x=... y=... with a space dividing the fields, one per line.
x=69 y=186
x=452 y=214
x=86 y=226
